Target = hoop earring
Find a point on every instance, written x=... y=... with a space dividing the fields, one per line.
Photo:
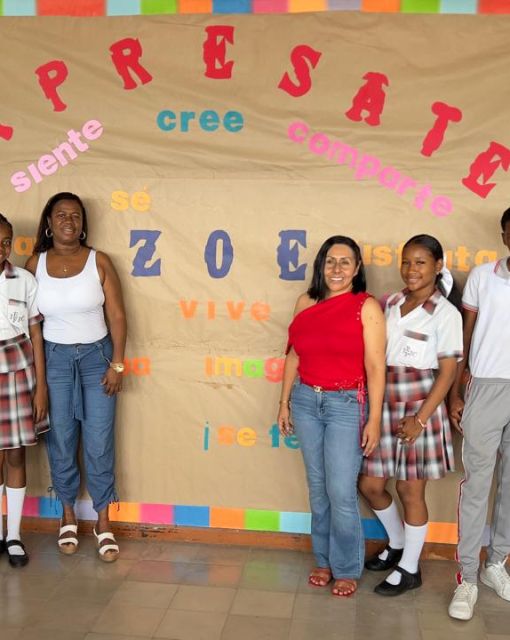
x=50 y=234
x=83 y=235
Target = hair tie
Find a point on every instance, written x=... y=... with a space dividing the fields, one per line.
x=446 y=278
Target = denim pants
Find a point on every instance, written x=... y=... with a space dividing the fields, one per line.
x=78 y=403
x=327 y=424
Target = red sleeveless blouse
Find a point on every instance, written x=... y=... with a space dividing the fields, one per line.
x=328 y=339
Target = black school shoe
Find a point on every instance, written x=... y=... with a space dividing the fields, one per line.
x=409 y=581
x=14 y=560
x=376 y=564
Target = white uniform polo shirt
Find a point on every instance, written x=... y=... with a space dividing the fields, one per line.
x=18 y=308
x=487 y=292
x=425 y=335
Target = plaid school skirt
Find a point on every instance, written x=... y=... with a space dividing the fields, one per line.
x=431 y=455
x=17 y=384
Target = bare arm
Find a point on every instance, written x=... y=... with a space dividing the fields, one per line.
x=411 y=426
x=455 y=401
x=115 y=318
x=31 y=264
x=40 y=401
x=289 y=375
x=374 y=336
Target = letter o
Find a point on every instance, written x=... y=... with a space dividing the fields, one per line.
x=319 y=143
x=211 y=250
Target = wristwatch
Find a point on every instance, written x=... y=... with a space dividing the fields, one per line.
x=117 y=366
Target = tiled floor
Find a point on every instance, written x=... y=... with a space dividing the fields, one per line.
x=183 y=591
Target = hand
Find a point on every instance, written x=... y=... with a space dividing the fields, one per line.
x=40 y=403
x=112 y=382
x=409 y=429
x=370 y=437
x=455 y=410
x=284 y=420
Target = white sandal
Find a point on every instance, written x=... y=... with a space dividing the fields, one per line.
x=69 y=544
x=107 y=552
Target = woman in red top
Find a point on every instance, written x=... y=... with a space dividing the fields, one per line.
x=335 y=356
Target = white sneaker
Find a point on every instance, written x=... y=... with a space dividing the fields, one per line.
x=496 y=577
x=463 y=601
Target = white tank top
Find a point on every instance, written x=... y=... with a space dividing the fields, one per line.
x=72 y=307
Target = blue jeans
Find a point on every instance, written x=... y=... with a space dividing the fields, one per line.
x=78 y=403
x=327 y=424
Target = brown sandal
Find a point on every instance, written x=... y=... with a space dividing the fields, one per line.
x=68 y=544
x=320 y=577
x=351 y=589
x=108 y=552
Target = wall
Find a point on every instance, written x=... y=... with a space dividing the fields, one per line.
x=374 y=125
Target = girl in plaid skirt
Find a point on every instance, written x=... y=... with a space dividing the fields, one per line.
x=424 y=334
x=23 y=393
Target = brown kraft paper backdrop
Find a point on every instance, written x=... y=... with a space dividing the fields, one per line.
x=206 y=350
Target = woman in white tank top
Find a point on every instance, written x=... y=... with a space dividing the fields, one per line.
x=84 y=331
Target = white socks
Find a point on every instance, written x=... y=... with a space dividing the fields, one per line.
x=15 y=499
x=392 y=522
x=414 y=541
x=1 y=512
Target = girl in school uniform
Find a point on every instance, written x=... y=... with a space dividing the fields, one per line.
x=424 y=343
x=23 y=393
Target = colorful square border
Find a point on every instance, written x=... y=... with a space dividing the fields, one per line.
x=217 y=518
x=97 y=8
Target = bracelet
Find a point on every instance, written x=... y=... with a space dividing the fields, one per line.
x=422 y=425
x=117 y=366
x=284 y=402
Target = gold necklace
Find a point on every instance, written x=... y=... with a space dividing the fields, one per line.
x=65 y=268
